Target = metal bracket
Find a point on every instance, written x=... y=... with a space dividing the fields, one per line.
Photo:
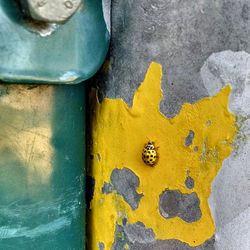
x=51 y=11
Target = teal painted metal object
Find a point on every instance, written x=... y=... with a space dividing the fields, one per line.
x=42 y=167
x=42 y=135
x=71 y=54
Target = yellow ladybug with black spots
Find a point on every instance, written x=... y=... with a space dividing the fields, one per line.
x=150 y=154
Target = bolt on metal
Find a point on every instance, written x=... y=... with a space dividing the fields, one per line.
x=51 y=11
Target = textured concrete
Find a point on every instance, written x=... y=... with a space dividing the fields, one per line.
x=183 y=36
x=144 y=240
x=125 y=239
x=172 y=245
x=125 y=183
x=230 y=199
x=235 y=235
x=138 y=233
x=180 y=35
x=173 y=203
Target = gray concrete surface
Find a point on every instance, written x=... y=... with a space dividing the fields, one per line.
x=173 y=203
x=125 y=183
x=180 y=35
x=230 y=199
x=183 y=36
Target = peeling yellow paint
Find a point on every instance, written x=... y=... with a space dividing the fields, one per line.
x=119 y=133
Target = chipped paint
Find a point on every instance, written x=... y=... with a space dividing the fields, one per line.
x=173 y=203
x=119 y=133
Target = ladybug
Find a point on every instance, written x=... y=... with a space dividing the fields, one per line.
x=150 y=154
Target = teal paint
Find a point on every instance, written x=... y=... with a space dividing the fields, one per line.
x=73 y=53
x=39 y=210
x=42 y=135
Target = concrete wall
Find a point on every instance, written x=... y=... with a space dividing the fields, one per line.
x=200 y=47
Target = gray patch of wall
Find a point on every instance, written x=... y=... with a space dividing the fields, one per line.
x=189 y=138
x=173 y=245
x=230 y=198
x=173 y=203
x=189 y=182
x=125 y=183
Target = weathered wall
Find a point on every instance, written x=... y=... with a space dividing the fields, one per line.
x=202 y=46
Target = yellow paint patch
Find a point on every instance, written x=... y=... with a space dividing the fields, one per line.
x=119 y=133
